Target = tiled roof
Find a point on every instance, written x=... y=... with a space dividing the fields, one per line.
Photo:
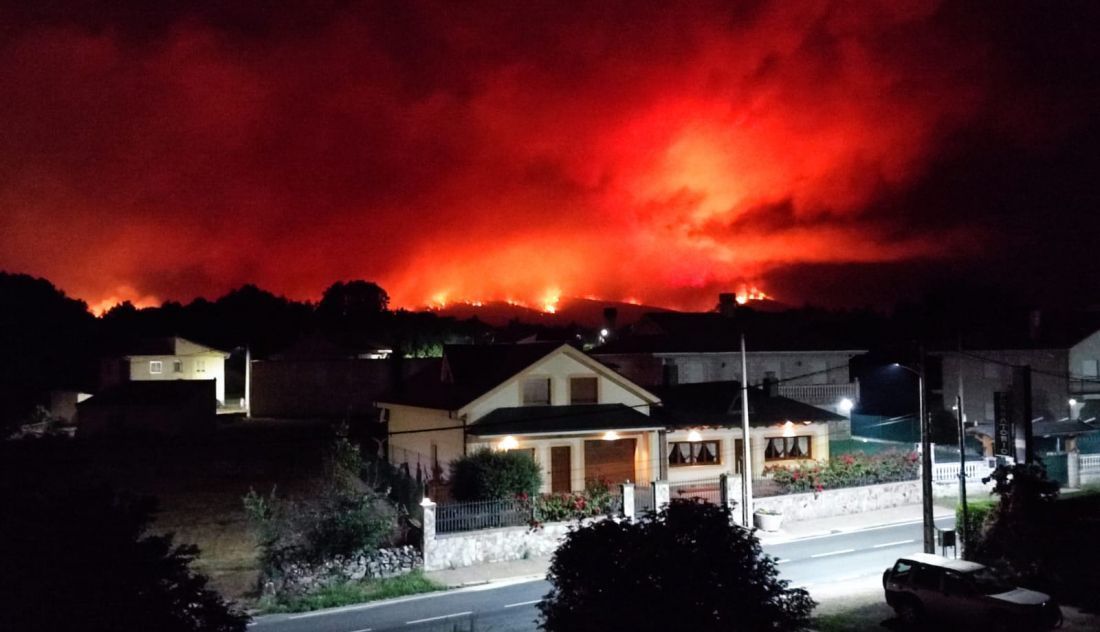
x=719 y=404
x=550 y=419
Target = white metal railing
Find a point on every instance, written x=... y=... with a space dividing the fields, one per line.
x=818 y=394
x=949 y=472
x=1090 y=464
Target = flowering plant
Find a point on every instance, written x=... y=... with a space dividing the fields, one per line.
x=846 y=470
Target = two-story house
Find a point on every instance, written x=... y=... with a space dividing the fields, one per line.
x=171 y=358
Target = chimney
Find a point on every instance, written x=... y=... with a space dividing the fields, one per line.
x=610 y=315
x=727 y=304
x=771 y=384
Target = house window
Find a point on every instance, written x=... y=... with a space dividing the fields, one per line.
x=782 y=448
x=536 y=391
x=177 y=366
x=156 y=367
x=682 y=453
x=200 y=366
x=1090 y=368
x=583 y=390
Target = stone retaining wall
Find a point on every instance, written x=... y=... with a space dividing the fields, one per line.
x=456 y=550
x=839 y=502
x=302 y=578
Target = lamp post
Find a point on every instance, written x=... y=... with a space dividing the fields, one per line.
x=925 y=461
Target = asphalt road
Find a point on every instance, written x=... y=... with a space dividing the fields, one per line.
x=505 y=607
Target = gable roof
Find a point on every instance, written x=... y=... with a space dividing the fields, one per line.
x=719 y=404
x=528 y=420
x=467 y=373
x=165 y=346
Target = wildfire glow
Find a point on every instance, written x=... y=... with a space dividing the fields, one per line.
x=745 y=294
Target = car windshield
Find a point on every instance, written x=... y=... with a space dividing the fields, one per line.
x=987 y=583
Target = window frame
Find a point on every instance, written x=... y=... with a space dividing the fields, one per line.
x=691 y=462
x=156 y=367
x=786 y=448
x=177 y=366
x=596 y=389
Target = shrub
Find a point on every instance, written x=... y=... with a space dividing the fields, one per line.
x=81 y=559
x=492 y=475
x=595 y=500
x=978 y=512
x=846 y=470
x=688 y=567
x=1015 y=537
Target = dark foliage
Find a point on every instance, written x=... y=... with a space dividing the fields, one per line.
x=686 y=568
x=81 y=560
x=490 y=475
x=1014 y=536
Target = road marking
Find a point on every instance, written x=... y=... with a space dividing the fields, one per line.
x=782 y=561
x=439 y=618
x=835 y=532
x=898 y=543
x=522 y=603
x=831 y=553
x=363 y=630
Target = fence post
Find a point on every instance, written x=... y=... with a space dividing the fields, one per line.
x=723 y=489
x=1073 y=469
x=660 y=495
x=628 y=500
x=733 y=490
x=427 y=542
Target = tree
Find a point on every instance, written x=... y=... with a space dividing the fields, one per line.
x=1015 y=536
x=490 y=475
x=351 y=304
x=688 y=567
x=80 y=559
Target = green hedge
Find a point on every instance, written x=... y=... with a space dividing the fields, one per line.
x=978 y=512
x=492 y=475
x=845 y=470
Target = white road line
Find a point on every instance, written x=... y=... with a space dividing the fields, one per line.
x=782 y=561
x=898 y=543
x=440 y=618
x=522 y=603
x=831 y=553
x=368 y=629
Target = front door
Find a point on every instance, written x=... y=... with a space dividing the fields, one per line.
x=610 y=460
x=561 y=469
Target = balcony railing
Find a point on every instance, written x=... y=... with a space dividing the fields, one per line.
x=821 y=394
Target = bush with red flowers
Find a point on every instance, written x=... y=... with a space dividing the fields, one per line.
x=846 y=470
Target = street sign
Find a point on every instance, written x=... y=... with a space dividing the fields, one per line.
x=1004 y=437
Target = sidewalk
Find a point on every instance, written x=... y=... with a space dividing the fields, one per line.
x=535 y=568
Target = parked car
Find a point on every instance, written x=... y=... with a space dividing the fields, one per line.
x=929 y=586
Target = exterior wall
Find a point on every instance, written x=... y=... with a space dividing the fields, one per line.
x=1049 y=392
x=559 y=367
x=645 y=466
x=826 y=367
x=167 y=420
x=325 y=388
x=202 y=365
x=1081 y=356
x=417 y=446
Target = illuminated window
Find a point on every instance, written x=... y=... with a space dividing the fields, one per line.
x=156 y=367
x=782 y=448
x=681 y=453
x=177 y=366
x=536 y=391
x=583 y=390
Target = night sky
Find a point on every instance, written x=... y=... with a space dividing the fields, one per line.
x=838 y=153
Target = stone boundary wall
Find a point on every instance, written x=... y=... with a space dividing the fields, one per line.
x=390 y=562
x=839 y=502
x=456 y=550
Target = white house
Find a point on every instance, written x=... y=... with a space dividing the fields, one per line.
x=171 y=358
x=579 y=419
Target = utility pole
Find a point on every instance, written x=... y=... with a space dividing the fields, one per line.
x=962 y=529
x=926 y=462
x=746 y=458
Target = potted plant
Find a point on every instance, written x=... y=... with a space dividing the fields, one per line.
x=767 y=519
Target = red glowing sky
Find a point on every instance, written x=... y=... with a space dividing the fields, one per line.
x=495 y=152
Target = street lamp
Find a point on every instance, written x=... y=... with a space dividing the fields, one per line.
x=925 y=461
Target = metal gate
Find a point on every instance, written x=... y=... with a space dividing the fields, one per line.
x=706 y=489
x=643 y=499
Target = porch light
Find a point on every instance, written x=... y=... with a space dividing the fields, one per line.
x=788 y=429
x=610 y=435
x=694 y=436
x=508 y=443
x=1072 y=402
